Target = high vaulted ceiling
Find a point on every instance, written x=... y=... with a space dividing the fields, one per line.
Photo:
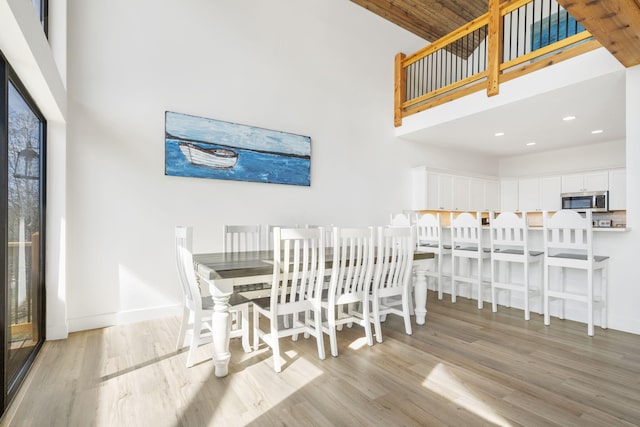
x=614 y=23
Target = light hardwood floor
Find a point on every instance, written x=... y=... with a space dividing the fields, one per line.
x=465 y=367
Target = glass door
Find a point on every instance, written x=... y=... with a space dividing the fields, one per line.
x=23 y=248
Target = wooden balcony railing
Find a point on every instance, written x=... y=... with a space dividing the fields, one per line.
x=512 y=39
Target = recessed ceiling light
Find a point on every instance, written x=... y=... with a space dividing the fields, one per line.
x=569 y=118
x=529 y=144
x=597 y=131
x=499 y=134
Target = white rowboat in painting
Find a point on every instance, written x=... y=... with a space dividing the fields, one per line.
x=218 y=158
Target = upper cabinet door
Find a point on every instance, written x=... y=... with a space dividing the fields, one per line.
x=461 y=193
x=509 y=195
x=445 y=195
x=592 y=181
x=572 y=183
x=477 y=194
x=492 y=195
x=596 y=181
x=529 y=194
x=550 y=188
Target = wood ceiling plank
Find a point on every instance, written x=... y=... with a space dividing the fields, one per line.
x=614 y=23
x=401 y=17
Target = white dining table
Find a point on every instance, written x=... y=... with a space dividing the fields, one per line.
x=224 y=271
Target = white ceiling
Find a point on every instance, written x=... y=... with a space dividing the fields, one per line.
x=597 y=104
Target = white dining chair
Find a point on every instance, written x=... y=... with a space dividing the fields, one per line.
x=328 y=233
x=430 y=239
x=197 y=310
x=510 y=244
x=568 y=243
x=298 y=275
x=245 y=238
x=391 y=285
x=347 y=299
x=241 y=238
x=466 y=244
x=268 y=234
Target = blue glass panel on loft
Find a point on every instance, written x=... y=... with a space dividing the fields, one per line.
x=556 y=27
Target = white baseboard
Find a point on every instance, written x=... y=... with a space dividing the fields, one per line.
x=151 y=313
x=123 y=317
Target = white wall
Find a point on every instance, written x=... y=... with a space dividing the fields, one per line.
x=328 y=74
x=322 y=68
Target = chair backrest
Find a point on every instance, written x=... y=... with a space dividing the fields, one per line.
x=328 y=233
x=466 y=230
x=268 y=234
x=394 y=259
x=352 y=268
x=241 y=238
x=429 y=230
x=400 y=220
x=298 y=267
x=568 y=231
x=184 y=264
x=509 y=231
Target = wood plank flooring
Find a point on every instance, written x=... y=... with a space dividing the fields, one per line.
x=465 y=367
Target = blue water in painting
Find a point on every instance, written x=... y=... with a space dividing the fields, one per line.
x=251 y=166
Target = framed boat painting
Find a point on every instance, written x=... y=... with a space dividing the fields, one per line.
x=208 y=148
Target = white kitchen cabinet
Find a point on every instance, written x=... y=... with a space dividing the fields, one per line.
x=617 y=189
x=508 y=195
x=529 y=194
x=550 y=190
x=491 y=195
x=461 y=187
x=477 y=194
x=591 y=181
x=431 y=190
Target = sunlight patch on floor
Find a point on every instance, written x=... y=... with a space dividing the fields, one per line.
x=358 y=343
x=296 y=369
x=441 y=381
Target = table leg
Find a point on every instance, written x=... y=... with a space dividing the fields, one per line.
x=221 y=329
x=420 y=292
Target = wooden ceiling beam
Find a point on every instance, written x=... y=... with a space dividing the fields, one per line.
x=614 y=23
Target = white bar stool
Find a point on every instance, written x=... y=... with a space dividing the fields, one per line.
x=466 y=243
x=510 y=244
x=568 y=243
x=430 y=239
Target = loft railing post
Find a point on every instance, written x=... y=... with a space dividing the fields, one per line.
x=494 y=49
x=400 y=90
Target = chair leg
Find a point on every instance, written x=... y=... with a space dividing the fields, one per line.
x=480 y=262
x=590 y=302
x=527 y=315
x=376 y=319
x=604 y=297
x=545 y=297
x=275 y=346
x=494 y=272
x=319 y=337
x=366 y=315
x=331 y=326
x=453 y=279
x=439 y=276
x=195 y=339
x=256 y=328
x=245 y=328
x=406 y=313
x=183 y=328
x=562 y=277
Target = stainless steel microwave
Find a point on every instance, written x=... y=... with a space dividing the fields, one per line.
x=595 y=201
